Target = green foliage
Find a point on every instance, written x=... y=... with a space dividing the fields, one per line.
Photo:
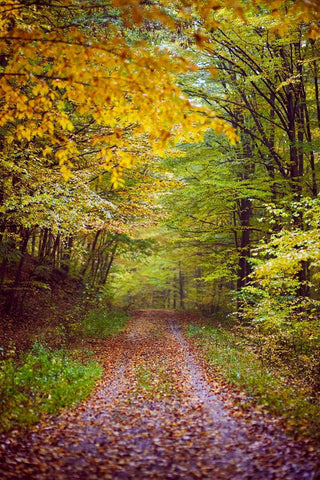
x=44 y=381
x=281 y=304
x=224 y=198
x=102 y=322
x=278 y=261
x=239 y=364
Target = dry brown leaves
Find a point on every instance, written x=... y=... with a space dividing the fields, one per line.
x=157 y=413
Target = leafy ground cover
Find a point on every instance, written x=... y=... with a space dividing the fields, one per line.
x=46 y=379
x=241 y=366
x=157 y=414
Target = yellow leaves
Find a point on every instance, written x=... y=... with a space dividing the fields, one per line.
x=213 y=71
x=231 y=134
x=23 y=133
x=290 y=81
x=64 y=156
x=10 y=11
x=116 y=178
x=66 y=172
x=316 y=133
x=65 y=122
x=164 y=135
x=134 y=12
x=314 y=31
x=116 y=161
x=220 y=126
x=201 y=39
x=46 y=151
x=40 y=88
x=125 y=159
x=208 y=7
x=66 y=76
x=106 y=156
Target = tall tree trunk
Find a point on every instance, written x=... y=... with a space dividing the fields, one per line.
x=174 y=298
x=42 y=243
x=181 y=287
x=245 y=214
x=12 y=299
x=65 y=264
x=314 y=186
x=316 y=79
x=90 y=259
x=55 y=251
x=113 y=253
x=244 y=267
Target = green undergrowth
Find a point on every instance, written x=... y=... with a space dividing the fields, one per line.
x=57 y=371
x=42 y=381
x=241 y=366
x=102 y=323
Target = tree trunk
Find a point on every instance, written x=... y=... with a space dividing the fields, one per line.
x=12 y=300
x=244 y=267
x=181 y=287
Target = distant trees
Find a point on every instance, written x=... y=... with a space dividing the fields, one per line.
x=92 y=92
x=78 y=107
x=262 y=77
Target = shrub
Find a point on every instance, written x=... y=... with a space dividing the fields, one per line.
x=240 y=365
x=102 y=323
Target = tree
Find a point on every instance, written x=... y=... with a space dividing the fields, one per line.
x=78 y=97
x=263 y=84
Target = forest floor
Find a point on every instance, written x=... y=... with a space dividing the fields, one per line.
x=158 y=412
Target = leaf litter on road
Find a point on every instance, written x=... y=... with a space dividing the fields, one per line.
x=157 y=413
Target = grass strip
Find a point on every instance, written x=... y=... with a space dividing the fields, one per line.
x=241 y=366
x=46 y=380
x=42 y=381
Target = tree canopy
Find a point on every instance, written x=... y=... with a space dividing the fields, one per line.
x=189 y=129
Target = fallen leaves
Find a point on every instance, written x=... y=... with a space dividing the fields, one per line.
x=157 y=413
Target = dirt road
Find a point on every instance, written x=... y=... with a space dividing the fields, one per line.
x=155 y=415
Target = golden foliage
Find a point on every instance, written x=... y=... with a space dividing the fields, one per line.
x=54 y=73
x=58 y=67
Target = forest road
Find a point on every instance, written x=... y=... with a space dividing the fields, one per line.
x=156 y=414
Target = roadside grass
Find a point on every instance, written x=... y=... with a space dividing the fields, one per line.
x=42 y=381
x=58 y=371
x=101 y=323
x=242 y=367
